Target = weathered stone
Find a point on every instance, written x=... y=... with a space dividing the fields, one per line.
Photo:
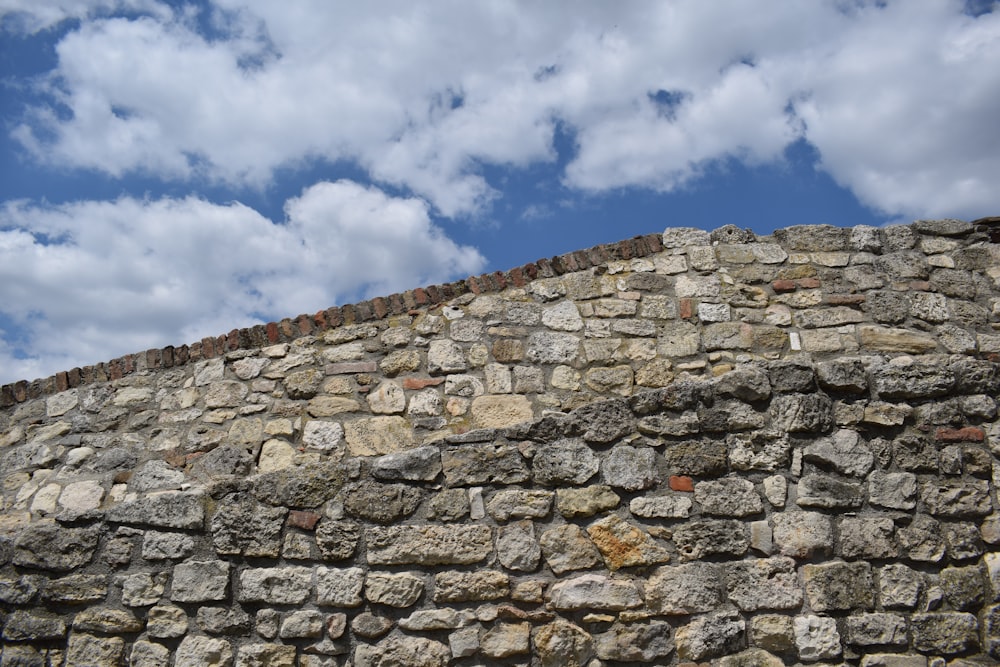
x=876 y=630
x=963 y=587
x=46 y=545
x=595 y=592
x=838 y=585
x=661 y=507
x=445 y=356
x=376 y=436
x=339 y=587
x=630 y=468
x=504 y=640
x=894 y=490
x=759 y=450
x=196 y=651
x=165 y=510
x=401 y=650
x=337 y=540
x=639 y=642
x=567 y=547
x=623 y=544
x=328 y=406
x=223 y=620
x=765 y=583
x=842 y=375
x=396 y=590
x=803 y=534
x=33 y=626
x=76 y=589
x=704 y=537
x=685 y=589
x=143 y=589
x=710 y=636
x=802 y=413
x=816 y=637
x=553 y=348
x=867 y=537
x=699 y=458
x=149 y=654
x=922 y=539
x=200 y=581
x=166 y=622
x=419 y=464
x=883 y=339
x=244 y=527
x=381 y=503
x=509 y=504
x=956 y=499
x=426 y=620
x=730 y=496
x=772 y=632
x=85 y=649
x=483 y=463
x=500 y=411
x=829 y=492
x=428 y=545
x=844 y=451
x=562 y=644
x=470 y=586
x=370 y=626
x=946 y=633
x=567 y=461
x=275 y=585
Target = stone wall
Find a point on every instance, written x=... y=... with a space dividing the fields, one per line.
x=694 y=448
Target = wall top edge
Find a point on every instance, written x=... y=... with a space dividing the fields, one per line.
x=823 y=237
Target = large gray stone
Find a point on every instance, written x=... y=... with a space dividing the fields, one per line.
x=730 y=496
x=844 y=451
x=380 y=503
x=764 y=583
x=595 y=592
x=401 y=589
x=568 y=461
x=200 y=581
x=705 y=537
x=803 y=534
x=418 y=464
x=244 y=527
x=829 y=492
x=275 y=585
x=630 y=468
x=568 y=547
x=483 y=463
x=638 y=642
x=163 y=510
x=685 y=589
x=837 y=586
x=401 y=650
x=517 y=548
x=710 y=636
x=428 y=545
x=562 y=644
x=48 y=546
x=947 y=633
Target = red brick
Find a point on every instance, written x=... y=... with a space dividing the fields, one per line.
x=681 y=483
x=115 y=369
x=920 y=285
x=347 y=311
x=475 y=284
x=302 y=519
x=334 y=317
x=654 y=242
x=517 y=278
x=501 y=279
x=967 y=434
x=273 y=336
x=363 y=311
x=421 y=383
x=62 y=381
x=784 y=286
x=809 y=283
x=74 y=377
x=687 y=309
x=319 y=319
x=420 y=296
x=305 y=325
x=396 y=304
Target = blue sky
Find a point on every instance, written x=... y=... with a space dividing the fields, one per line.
x=172 y=170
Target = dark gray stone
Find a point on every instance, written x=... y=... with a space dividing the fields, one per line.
x=223 y=461
x=904 y=265
x=814 y=238
x=381 y=503
x=842 y=375
x=916 y=381
x=887 y=306
x=639 y=642
x=223 y=620
x=49 y=546
x=922 y=540
x=567 y=461
x=418 y=464
x=164 y=510
x=604 y=421
x=337 y=540
x=33 y=626
x=829 y=492
x=302 y=487
x=483 y=464
x=711 y=636
x=746 y=383
x=802 y=413
x=956 y=498
x=700 y=458
x=244 y=527
x=839 y=586
x=791 y=375
x=945 y=633
x=765 y=583
x=705 y=537
x=963 y=587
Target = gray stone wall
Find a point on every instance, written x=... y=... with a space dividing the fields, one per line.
x=689 y=449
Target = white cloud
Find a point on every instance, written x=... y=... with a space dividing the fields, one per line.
x=144 y=274
x=900 y=100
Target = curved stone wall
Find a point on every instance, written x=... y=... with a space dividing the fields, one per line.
x=694 y=448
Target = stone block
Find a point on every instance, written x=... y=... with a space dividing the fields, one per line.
x=428 y=545
x=685 y=589
x=837 y=586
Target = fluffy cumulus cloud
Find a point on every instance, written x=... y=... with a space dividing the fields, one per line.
x=140 y=274
x=899 y=98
